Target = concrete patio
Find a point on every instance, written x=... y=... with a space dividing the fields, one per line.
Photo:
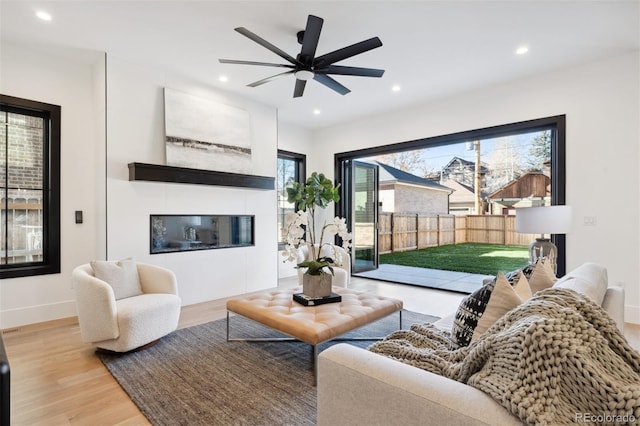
x=460 y=282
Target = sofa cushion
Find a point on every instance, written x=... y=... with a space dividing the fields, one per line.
x=122 y=276
x=542 y=276
x=588 y=279
x=504 y=297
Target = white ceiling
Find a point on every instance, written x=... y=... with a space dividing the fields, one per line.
x=432 y=49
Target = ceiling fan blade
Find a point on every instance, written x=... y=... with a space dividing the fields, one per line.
x=264 y=43
x=264 y=64
x=310 y=40
x=299 y=89
x=347 y=52
x=331 y=83
x=268 y=79
x=341 y=70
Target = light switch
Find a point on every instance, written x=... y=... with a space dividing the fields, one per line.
x=78 y=216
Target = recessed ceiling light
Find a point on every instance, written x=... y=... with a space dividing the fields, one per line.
x=43 y=15
x=522 y=50
x=316 y=112
x=396 y=88
x=223 y=78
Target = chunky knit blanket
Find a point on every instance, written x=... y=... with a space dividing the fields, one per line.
x=556 y=359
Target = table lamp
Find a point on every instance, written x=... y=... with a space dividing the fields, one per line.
x=543 y=220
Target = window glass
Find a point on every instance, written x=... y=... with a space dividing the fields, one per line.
x=29 y=188
x=22 y=185
x=290 y=170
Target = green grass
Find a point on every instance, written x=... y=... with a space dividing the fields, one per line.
x=486 y=259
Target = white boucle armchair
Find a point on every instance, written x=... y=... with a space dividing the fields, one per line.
x=341 y=271
x=128 y=323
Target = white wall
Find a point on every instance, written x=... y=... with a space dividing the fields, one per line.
x=135 y=133
x=75 y=81
x=294 y=139
x=601 y=103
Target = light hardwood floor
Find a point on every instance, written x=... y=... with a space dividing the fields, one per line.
x=58 y=380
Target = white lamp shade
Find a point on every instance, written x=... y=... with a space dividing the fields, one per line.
x=543 y=220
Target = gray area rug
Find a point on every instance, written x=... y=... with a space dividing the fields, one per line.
x=195 y=377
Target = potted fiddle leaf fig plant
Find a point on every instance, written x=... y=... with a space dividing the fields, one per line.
x=316 y=193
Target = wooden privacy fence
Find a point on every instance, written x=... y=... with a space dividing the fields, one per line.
x=411 y=231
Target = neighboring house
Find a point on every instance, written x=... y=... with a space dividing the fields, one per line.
x=459 y=175
x=462 y=199
x=402 y=192
x=529 y=190
x=462 y=171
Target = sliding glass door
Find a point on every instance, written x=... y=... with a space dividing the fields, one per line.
x=523 y=163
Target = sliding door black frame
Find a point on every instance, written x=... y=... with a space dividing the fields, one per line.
x=556 y=124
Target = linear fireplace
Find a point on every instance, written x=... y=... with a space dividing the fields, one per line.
x=174 y=233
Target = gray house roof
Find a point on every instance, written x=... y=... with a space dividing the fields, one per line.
x=388 y=174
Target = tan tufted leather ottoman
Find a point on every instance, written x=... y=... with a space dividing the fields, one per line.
x=312 y=324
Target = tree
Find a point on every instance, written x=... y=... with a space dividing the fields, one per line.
x=407 y=161
x=504 y=164
x=540 y=151
x=286 y=173
x=430 y=172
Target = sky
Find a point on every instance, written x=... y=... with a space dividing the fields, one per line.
x=437 y=157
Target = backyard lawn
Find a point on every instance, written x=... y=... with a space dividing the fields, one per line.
x=486 y=259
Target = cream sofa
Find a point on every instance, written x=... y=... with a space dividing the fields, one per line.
x=358 y=387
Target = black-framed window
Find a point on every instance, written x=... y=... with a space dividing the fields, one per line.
x=291 y=168
x=29 y=187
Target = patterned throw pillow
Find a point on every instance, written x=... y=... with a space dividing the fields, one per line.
x=469 y=312
x=473 y=306
x=527 y=271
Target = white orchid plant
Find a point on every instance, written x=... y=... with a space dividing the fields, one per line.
x=316 y=192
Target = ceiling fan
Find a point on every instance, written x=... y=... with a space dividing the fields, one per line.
x=306 y=65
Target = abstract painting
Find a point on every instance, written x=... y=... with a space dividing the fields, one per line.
x=204 y=134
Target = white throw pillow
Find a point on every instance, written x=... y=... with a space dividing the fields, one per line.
x=542 y=276
x=122 y=276
x=503 y=299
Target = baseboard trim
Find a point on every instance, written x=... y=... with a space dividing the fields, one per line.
x=36 y=314
x=632 y=314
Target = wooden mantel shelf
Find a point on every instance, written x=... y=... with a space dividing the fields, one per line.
x=158 y=173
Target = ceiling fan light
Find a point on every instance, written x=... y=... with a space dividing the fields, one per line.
x=304 y=75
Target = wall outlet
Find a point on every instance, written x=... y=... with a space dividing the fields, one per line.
x=590 y=221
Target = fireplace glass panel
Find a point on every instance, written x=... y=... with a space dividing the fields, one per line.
x=173 y=233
